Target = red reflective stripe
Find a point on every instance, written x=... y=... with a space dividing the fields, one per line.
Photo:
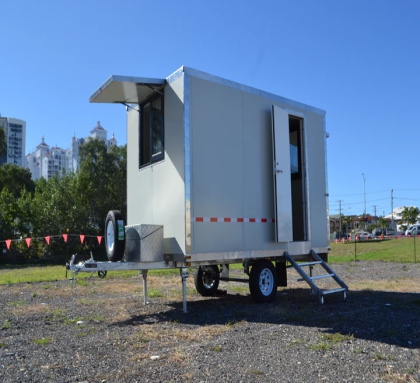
x=228 y=219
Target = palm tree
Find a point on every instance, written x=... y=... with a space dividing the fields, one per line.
x=410 y=215
x=383 y=223
x=346 y=220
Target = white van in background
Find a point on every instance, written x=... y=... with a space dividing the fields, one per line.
x=413 y=230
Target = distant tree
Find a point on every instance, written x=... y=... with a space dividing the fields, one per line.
x=410 y=214
x=7 y=214
x=54 y=207
x=15 y=178
x=346 y=220
x=102 y=184
x=15 y=214
x=383 y=224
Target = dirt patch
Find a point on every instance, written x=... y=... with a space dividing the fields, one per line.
x=100 y=331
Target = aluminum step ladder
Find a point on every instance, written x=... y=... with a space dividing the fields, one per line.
x=310 y=279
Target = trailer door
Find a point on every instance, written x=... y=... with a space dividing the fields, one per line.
x=282 y=175
x=290 y=189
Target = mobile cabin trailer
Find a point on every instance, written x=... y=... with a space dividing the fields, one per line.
x=218 y=173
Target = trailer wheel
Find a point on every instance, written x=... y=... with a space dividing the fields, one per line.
x=102 y=274
x=263 y=281
x=206 y=280
x=114 y=236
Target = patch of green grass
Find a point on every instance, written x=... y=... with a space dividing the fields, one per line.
x=42 y=340
x=216 y=348
x=393 y=250
x=87 y=332
x=67 y=320
x=328 y=340
x=379 y=356
x=82 y=282
x=295 y=342
x=240 y=289
x=336 y=337
x=155 y=293
x=322 y=346
x=18 y=303
x=12 y=274
x=359 y=350
x=6 y=325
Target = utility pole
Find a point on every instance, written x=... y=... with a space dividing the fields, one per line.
x=374 y=209
x=364 y=196
x=392 y=208
x=339 y=204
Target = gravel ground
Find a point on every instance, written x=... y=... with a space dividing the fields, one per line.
x=99 y=331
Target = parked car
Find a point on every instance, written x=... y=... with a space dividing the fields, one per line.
x=413 y=230
x=364 y=235
x=341 y=236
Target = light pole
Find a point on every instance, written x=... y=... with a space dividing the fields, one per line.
x=364 y=196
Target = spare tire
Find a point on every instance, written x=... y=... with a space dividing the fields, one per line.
x=114 y=235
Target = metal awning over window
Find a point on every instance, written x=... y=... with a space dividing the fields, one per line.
x=127 y=90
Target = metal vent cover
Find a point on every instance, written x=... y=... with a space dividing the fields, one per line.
x=143 y=243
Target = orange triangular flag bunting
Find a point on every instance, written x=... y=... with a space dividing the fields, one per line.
x=28 y=241
x=65 y=237
x=82 y=238
x=8 y=243
x=99 y=239
x=48 y=239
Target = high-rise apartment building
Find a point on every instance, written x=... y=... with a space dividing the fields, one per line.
x=48 y=161
x=15 y=135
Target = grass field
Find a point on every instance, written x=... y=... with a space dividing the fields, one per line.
x=394 y=250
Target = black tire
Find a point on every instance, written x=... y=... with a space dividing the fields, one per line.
x=114 y=236
x=102 y=274
x=206 y=280
x=263 y=281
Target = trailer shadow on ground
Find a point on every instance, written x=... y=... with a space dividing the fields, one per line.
x=387 y=317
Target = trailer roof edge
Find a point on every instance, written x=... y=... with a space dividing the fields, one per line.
x=126 y=89
x=248 y=89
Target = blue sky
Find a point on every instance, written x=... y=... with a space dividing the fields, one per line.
x=359 y=60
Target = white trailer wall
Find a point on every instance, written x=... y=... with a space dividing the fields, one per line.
x=156 y=193
x=232 y=169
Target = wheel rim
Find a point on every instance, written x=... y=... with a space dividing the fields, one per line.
x=110 y=237
x=266 y=282
x=208 y=279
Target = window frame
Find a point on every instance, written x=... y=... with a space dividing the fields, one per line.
x=146 y=133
